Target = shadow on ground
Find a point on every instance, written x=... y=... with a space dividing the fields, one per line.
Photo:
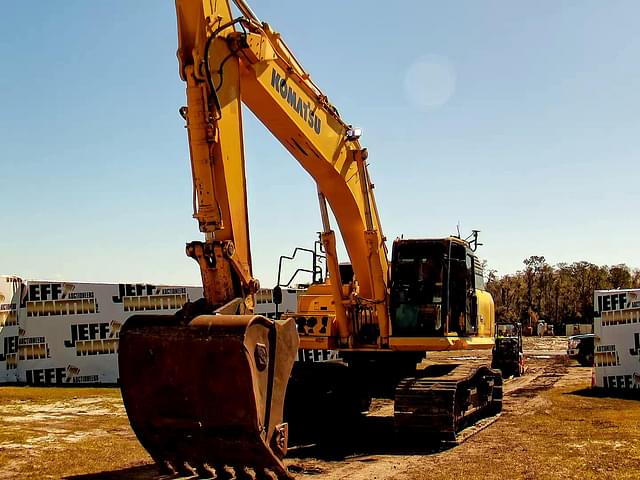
x=596 y=392
x=370 y=436
x=143 y=472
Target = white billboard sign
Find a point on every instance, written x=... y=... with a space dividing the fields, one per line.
x=10 y=290
x=617 y=345
x=69 y=332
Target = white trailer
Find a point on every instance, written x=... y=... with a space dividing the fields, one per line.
x=10 y=290
x=67 y=333
x=617 y=342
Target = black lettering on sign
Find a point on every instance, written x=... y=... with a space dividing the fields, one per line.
x=45 y=291
x=94 y=338
x=315 y=355
x=132 y=290
x=45 y=376
x=10 y=347
x=614 y=301
x=620 y=382
x=87 y=331
x=634 y=351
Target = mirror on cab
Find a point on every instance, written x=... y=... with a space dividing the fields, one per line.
x=277 y=295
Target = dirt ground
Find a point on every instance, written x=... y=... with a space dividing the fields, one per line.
x=552 y=427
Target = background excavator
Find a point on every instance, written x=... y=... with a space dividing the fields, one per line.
x=205 y=389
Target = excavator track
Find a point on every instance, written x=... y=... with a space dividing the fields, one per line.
x=208 y=396
x=439 y=403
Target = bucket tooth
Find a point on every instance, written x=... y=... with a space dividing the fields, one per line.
x=183 y=469
x=222 y=473
x=202 y=471
x=209 y=392
x=242 y=473
x=264 y=474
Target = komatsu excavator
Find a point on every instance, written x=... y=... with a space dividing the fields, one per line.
x=205 y=389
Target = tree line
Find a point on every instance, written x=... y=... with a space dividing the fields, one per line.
x=560 y=294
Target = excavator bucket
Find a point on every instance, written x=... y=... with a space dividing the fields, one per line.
x=210 y=394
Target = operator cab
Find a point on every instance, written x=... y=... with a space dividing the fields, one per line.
x=433 y=283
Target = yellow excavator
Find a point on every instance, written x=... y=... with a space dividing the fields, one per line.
x=205 y=389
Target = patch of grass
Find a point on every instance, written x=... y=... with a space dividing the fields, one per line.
x=555 y=434
x=57 y=432
x=562 y=436
x=35 y=394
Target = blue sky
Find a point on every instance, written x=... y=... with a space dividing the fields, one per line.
x=516 y=118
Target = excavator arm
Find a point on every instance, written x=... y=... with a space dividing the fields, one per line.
x=214 y=126
x=226 y=61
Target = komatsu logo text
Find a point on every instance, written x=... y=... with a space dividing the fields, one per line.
x=304 y=109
